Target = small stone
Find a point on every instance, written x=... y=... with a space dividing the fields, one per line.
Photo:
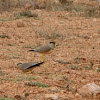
x=20 y=24
x=52 y=96
x=89 y=89
x=94 y=20
x=77 y=95
x=55 y=97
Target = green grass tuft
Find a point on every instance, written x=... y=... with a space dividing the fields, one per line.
x=36 y=84
x=41 y=84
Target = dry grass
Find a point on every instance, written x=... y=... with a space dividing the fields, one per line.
x=36 y=84
x=5 y=36
x=86 y=9
x=25 y=14
x=66 y=68
x=6 y=5
x=49 y=33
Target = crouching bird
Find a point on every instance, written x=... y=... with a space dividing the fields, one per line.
x=25 y=67
x=44 y=49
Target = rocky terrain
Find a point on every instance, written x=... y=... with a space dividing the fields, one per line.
x=73 y=63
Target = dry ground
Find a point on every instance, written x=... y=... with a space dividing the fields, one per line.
x=72 y=64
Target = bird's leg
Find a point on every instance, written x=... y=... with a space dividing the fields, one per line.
x=29 y=72
x=42 y=57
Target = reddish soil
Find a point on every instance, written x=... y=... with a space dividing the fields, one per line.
x=66 y=68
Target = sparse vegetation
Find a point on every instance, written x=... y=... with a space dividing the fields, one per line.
x=77 y=60
x=15 y=56
x=89 y=67
x=5 y=36
x=2 y=19
x=98 y=69
x=67 y=79
x=36 y=84
x=74 y=67
x=2 y=73
x=6 y=98
x=29 y=78
x=73 y=62
x=49 y=34
x=21 y=78
x=6 y=5
x=25 y=14
x=9 y=44
x=80 y=9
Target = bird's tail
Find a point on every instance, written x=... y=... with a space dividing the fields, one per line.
x=40 y=63
x=31 y=50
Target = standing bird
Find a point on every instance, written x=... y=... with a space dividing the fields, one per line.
x=28 y=66
x=44 y=49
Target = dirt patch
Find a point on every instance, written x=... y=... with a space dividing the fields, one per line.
x=74 y=62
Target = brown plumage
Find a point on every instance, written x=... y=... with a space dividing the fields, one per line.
x=28 y=66
x=44 y=49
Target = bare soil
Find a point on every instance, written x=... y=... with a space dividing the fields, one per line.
x=74 y=62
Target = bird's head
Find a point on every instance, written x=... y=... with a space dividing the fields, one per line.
x=19 y=64
x=53 y=43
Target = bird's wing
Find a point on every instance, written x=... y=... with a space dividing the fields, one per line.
x=25 y=66
x=43 y=49
x=36 y=64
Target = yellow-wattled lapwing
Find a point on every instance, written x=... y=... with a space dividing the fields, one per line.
x=28 y=66
x=44 y=49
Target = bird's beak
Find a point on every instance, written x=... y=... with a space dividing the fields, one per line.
x=56 y=45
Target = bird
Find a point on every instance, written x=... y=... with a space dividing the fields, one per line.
x=44 y=49
x=28 y=66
